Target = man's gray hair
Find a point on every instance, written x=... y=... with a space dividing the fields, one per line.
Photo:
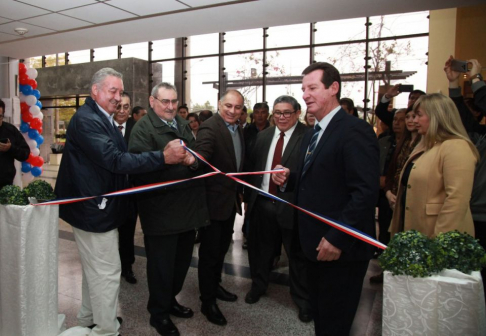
x=165 y=85
x=101 y=75
x=289 y=100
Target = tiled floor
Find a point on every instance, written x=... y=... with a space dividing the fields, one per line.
x=274 y=314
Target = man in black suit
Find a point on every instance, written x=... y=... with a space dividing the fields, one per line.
x=127 y=230
x=338 y=177
x=273 y=222
x=220 y=141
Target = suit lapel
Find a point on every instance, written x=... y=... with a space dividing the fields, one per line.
x=294 y=139
x=330 y=129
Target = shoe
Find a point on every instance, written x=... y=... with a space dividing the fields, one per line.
x=197 y=239
x=223 y=295
x=165 y=327
x=120 y=320
x=213 y=314
x=377 y=279
x=305 y=315
x=129 y=276
x=180 y=311
x=252 y=297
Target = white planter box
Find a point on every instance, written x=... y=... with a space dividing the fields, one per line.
x=451 y=303
x=28 y=271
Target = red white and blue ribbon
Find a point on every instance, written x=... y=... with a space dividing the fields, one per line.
x=149 y=187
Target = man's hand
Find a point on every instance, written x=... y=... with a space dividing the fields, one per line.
x=327 y=251
x=5 y=147
x=452 y=76
x=393 y=91
x=475 y=69
x=174 y=153
x=392 y=199
x=189 y=159
x=280 y=178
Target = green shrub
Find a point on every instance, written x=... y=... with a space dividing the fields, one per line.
x=11 y=194
x=459 y=251
x=40 y=189
x=409 y=253
x=412 y=253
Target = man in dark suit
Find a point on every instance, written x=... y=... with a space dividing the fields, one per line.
x=168 y=216
x=338 y=177
x=127 y=230
x=220 y=141
x=273 y=222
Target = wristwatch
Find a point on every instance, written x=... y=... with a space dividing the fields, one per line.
x=477 y=76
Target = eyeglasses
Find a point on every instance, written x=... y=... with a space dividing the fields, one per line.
x=166 y=102
x=286 y=114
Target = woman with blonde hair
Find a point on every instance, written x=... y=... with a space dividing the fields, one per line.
x=437 y=179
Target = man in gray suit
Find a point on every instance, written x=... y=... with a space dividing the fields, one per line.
x=220 y=141
x=272 y=222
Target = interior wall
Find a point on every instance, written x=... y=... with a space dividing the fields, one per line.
x=442 y=43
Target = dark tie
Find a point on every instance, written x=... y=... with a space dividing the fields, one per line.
x=120 y=127
x=277 y=158
x=312 y=147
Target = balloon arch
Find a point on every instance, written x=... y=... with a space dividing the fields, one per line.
x=31 y=124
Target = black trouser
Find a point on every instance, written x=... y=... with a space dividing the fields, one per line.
x=215 y=242
x=265 y=235
x=126 y=233
x=168 y=259
x=335 y=291
x=480 y=233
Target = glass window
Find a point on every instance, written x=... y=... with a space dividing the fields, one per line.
x=244 y=74
x=340 y=30
x=202 y=45
x=399 y=24
x=137 y=50
x=250 y=39
x=168 y=70
x=407 y=56
x=36 y=62
x=347 y=58
x=103 y=54
x=81 y=56
x=163 y=49
x=61 y=59
x=51 y=60
x=287 y=62
x=287 y=36
x=200 y=92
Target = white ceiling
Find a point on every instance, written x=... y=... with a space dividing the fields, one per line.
x=68 y=25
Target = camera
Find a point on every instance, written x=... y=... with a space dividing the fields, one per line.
x=460 y=66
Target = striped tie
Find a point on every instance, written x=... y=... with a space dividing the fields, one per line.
x=312 y=146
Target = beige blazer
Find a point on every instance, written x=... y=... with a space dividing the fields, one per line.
x=438 y=191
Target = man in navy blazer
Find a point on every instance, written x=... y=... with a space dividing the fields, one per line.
x=338 y=177
x=95 y=161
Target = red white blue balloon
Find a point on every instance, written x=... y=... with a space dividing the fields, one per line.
x=31 y=125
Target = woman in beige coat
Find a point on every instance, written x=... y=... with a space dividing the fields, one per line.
x=436 y=181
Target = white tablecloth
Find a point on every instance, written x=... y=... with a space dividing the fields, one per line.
x=451 y=303
x=28 y=271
